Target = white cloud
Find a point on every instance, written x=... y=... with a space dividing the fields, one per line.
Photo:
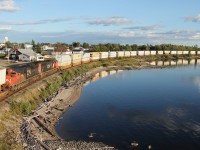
x=8 y=5
x=109 y=21
x=5 y=29
x=196 y=36
x=145 y=28
x=193 y=18
x=45 y=21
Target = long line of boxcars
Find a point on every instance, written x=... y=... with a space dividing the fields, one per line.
x=20 y=76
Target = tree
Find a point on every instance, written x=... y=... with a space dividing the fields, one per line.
x=33 y=43
x=9 y=44
x=85 y=45
x=22 y=46
x=76 y=44
x=38 y=48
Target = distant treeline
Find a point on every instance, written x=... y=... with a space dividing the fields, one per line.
x=135 y=47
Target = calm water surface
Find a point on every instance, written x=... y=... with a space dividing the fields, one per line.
x=157 y=107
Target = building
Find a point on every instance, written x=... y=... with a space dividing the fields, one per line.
x=47 y=48
x=26 y=55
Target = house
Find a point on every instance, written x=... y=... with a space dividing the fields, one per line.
x=28 y=46
x=26 y=55
x=47 y=48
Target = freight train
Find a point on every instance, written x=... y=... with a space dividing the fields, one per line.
x=22 y=75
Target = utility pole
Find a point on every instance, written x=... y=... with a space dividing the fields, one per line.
x=5 y=41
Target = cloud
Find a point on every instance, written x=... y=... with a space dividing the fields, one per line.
x=8 y=5
x=109 y=21
x=196 y=36
x=193 y=18
x=145 y=28
x=4 y=30
x=45 y=21
x=182 y=37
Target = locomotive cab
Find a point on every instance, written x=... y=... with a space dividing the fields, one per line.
x=13 y=78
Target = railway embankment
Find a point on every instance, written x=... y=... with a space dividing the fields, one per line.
x=28 y=117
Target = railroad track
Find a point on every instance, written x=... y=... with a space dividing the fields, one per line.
x=6 y=94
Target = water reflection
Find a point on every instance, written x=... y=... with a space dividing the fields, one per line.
x=196 y=81
x=175 y=62
x=159 y=107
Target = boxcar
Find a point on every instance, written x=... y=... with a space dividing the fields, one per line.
x=120 y=53
x=160 y=52
x=76 y=59
x=185 y=52
x=153 y=52
x=2 y=77
x=147 y=53
x=112 y=54
x=127 y=53
x=86 y=58
x=166 y=52
x=179 y=52
x=193 y=52
x=64 y=61
x=103 y=55
x=140 y=53
x=133 y=53
x=95 y=56
x=173 y=52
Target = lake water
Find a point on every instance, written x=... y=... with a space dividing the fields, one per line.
x=157 y=107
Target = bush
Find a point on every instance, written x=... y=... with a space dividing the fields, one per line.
x=21 y=108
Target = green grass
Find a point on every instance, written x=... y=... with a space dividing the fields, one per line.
x=2 y=55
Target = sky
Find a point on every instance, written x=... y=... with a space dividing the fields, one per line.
x=101 y=21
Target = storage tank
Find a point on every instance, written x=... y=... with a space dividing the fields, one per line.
x=64 y=61
x=112 y=54
x=127 y=54
x=2 y=76
x=140 y=53
x=147 y=53
x=133 y=53
x=76 y=59
x=153 y=52
x=120 y=53
x=95 y=56
x=103 y=55
x=86 y=58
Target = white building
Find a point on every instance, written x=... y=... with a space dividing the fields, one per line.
x=29 y=55
x=28 y=46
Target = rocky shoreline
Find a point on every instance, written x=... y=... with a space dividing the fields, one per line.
x=38 y=130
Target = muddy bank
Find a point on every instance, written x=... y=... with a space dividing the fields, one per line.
x=38 y=128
